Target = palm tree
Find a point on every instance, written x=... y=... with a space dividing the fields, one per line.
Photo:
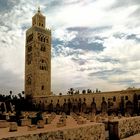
x=10 y=93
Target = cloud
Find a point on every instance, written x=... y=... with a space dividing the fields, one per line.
x=13 y=23
x=133 y=37
x=79 y=38
x=10 y=81
x=7 y=5
x=79 y=61
x=125 y=3
x=109 y=72
x=79 y=43
x=114 y=65
x=94 y=43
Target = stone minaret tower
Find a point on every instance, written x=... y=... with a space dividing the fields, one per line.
x=38 y=58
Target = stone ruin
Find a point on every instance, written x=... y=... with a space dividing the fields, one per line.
x=33 y=121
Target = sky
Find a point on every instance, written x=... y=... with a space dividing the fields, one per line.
x=95 y=43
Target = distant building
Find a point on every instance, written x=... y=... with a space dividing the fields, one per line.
x=38 y=58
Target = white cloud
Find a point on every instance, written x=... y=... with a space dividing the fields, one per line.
x=93 y=14
x=65 y=71
x=13 y=47
x=64 y=35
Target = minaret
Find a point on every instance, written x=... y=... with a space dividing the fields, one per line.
x=38 y=58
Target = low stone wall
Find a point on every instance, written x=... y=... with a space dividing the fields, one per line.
x=92 y=132
x=55 y=130
x=124 y=127
x=129 y=126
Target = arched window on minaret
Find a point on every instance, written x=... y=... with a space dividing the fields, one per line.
x=43 y=48
x=29 y=58
x=42 y=87
x=41 y=39
x=30 y=38
x=43 y=65
x=29 y=80
x=29 y=48
x=47 y=40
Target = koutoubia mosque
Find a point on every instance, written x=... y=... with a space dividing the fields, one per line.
x=38 y=78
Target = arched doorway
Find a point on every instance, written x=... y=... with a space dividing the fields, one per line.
x=103 y=106
x=129 y=107
x=93 y=107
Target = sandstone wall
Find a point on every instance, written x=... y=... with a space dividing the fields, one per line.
x=124 y=127
x=89 y=132
x=89 y=97
x=129 y=126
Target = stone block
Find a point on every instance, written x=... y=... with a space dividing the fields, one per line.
x=49 y=120
x=59 y=124
x=13 y=126
x=64 y=115
x=81 y=120
x=40 y=124
x=62 y=122
x=25 y=122
x=93 y=119
x=98 y=119
x=45 y=119
x=32 y=127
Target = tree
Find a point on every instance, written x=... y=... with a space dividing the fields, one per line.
x=71 y=91
x=89 y=91
x=84 y=91
x=77 y=92
x=97 y=90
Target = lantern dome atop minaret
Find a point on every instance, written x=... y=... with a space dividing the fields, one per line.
x=38 y=19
